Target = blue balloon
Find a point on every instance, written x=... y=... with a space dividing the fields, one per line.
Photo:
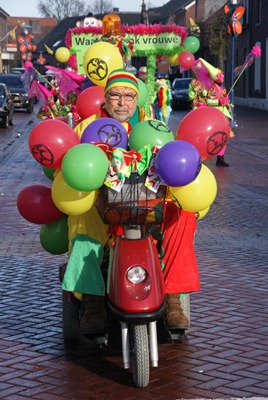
x=178 y=163
x=106 y=130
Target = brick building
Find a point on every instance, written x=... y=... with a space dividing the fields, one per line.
x=10 y=53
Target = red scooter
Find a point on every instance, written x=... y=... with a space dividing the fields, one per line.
x=134 y=280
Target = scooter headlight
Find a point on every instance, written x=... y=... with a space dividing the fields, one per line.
x=136 y=274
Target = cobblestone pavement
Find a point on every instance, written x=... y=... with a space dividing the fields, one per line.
x=225 y=354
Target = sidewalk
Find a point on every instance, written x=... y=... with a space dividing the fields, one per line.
x=225 y=354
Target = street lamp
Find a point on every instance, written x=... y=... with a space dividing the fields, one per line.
x=233 y=3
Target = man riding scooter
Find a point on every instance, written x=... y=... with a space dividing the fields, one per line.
x=88 y=235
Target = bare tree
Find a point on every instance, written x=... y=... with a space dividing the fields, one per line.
x=102 y=7
x=217 y=37
x=60 y=9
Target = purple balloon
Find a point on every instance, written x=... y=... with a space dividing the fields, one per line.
x=178 y=163
x=106 y=130
x=87 y=83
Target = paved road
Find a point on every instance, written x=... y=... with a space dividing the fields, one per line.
x=225 y=354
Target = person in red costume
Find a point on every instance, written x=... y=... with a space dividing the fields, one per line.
x=207 y=90
x=88 y=234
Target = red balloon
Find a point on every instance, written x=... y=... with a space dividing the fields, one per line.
x=89 y=101
x=63 y=119
x=186 y=59
x=35 y=204
x=207 y=128
x=50 y=140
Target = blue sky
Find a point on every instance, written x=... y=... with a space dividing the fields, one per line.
x=28 y=8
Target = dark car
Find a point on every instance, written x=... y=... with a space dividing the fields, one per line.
x=20 y=95
x=179 y=91
x=17 y=70
x=6 y=106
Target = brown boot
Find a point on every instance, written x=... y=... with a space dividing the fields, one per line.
x=173 y=314
x=94 y=314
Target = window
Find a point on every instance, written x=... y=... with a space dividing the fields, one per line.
x=245 y=16
x=258 y=11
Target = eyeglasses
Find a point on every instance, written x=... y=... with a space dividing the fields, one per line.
x=117 y=96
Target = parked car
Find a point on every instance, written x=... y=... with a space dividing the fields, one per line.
x=179 y=92
x=17 y=70
x=20 y=95
x=6 y=106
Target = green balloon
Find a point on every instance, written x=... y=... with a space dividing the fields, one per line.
x=84 y=167
x=151 y=132
x=191 y=44
x=49 y=172
x=54 y=236
x=143 y=93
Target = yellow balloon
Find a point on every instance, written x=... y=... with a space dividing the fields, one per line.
x=69 y=200
x=201 y=214
x=173 y=60
x=100 y=60
x=197 y=195
x=62 y=54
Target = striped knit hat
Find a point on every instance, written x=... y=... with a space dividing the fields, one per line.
x=120 y=77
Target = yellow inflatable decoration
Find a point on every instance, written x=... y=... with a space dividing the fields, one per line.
x=62 y=54
x=197 y=195
x=69 y=200
x=201 y=214
x=100 y=60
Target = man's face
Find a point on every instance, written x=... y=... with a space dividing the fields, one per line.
x=142 y=76
x=121 y=103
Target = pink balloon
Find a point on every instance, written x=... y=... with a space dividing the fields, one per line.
x=207 y=128
x=186 y=59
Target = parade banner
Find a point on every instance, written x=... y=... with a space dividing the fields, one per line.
x=144 y=40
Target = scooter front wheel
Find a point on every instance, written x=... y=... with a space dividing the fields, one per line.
x=140 y=355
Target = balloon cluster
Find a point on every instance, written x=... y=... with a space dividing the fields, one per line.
x=186 y=57
x=76 y=170
x=78 y=167
x=202 y=134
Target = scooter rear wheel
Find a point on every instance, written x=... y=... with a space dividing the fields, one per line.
x=140 y=355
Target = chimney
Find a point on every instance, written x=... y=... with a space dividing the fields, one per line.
x=116 y=10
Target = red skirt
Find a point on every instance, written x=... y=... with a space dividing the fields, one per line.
x=179 y=260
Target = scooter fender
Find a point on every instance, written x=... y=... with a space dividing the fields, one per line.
x=131 y=297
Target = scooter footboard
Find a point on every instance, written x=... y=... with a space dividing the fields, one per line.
x=135 y=283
